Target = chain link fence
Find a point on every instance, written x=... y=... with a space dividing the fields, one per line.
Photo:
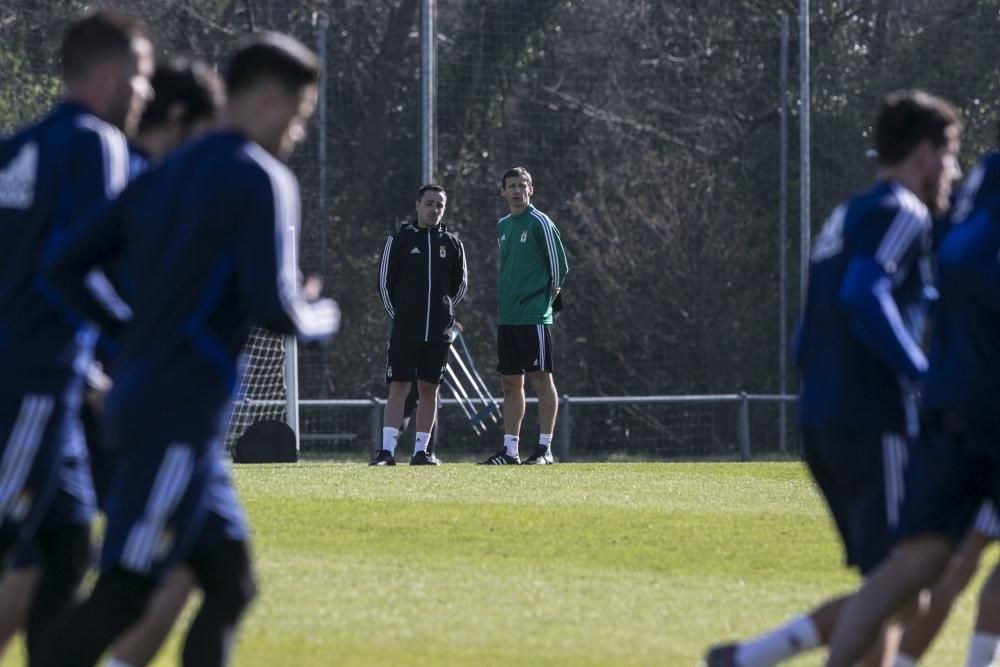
x=652 y=132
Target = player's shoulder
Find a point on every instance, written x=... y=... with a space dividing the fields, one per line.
x=404 y=236
x=85 y=131
x=883 y=203
x=452 y=236
x=506 y=218
x=903 y=199
x=539 y=217
x=447 y=232
x=406 y=230
x=245 y=165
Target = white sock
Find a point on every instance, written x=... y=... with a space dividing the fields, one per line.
x=545 y=440
x=115 y=662
x=389 y=437
x=420 y=445
x=510 y=443
x=796 y=636
x=982 y=649
x=903 y=660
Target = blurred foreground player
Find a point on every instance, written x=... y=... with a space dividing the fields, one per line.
x=51 y=174
x=860 y=355
x=955 y=466
x=206 y=240
x=187 y=98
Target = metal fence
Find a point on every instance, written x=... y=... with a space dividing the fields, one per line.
x=686 y=149
x=590 y=428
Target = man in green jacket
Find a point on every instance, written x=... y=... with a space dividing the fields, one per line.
x=532 y=270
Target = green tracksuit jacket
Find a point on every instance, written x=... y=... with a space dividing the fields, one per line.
x=532 y=262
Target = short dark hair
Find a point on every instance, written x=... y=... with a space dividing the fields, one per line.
x=275 y=57
x=98 y=36
x=191 y=84
x=907 y=118
x=432 y=188
x=516 y=171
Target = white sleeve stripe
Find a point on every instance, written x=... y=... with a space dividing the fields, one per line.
x=905 y=227
x=550 y=244
x=465 y=278
x=310 y=322
x=114 y=154
x=102 y=290
x=383 y=278
x=882 y=290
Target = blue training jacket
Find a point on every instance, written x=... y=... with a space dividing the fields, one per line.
x=859 y=341
x=51 y=174
x=964 y=373
x=205 y=243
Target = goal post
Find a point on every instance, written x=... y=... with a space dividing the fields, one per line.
x=269 y=385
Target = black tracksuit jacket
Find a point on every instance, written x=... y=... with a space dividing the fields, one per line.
x=422 y=277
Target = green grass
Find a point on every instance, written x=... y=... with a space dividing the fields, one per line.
x=584 y=564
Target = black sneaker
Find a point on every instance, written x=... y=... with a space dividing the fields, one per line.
x=425 y=459
x=502 y=458
x=383 y=458
x=722 y=655
x=541 y=456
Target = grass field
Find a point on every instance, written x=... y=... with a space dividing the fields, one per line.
x=582 y=564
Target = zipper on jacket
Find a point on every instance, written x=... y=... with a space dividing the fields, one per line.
x=427 y=328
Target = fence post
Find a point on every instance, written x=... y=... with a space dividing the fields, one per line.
x=376 y=425
x=744 y=427
x=565 y=428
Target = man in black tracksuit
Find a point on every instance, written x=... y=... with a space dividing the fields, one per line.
x=422 y=277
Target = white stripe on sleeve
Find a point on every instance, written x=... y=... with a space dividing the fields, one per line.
x=384 y=277
x=550 y=245
x=882 y=290
x=465 y=277
x=313 y=321
x=114 y=154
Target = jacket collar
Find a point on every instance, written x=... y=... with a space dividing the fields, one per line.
x=412 y=226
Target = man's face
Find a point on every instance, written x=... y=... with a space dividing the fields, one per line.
x=517 y=191
x=941 y=170
x=129 y=87
x=430 y=208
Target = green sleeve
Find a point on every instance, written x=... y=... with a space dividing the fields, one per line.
x=549 y=239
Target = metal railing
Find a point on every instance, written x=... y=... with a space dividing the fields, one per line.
x=564 y=437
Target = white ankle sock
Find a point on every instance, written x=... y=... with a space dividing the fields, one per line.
x=982 y=649
x=510 y=443
x=545 y=440
x=420 y=444
x=903 y=660
x=389 y=437
x=796 y=636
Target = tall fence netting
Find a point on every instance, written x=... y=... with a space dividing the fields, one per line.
x=652 y=133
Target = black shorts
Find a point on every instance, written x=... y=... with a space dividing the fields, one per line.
x=953 y=470
x=409 y=360
x=860 y=474
x=524 y=348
